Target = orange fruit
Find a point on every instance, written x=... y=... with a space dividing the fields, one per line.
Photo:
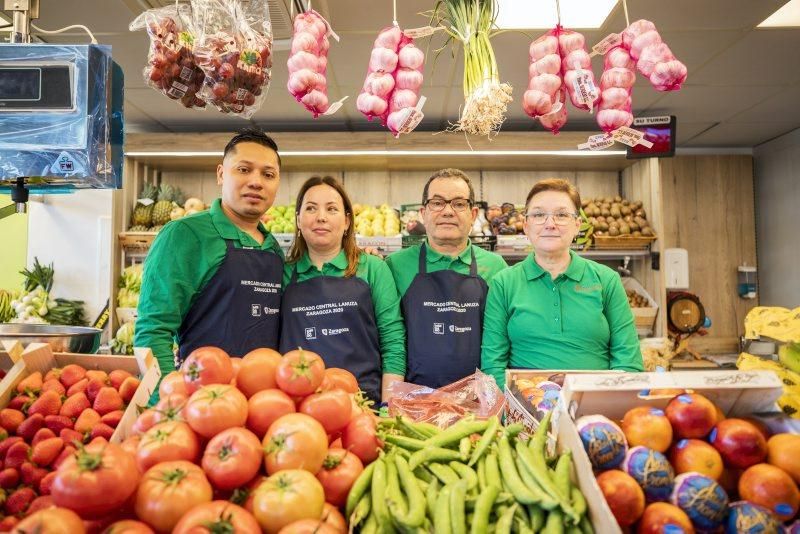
x=648 y=427
x=695 y=455
x=783 y=450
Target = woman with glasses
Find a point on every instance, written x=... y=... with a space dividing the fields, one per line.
x=443 y=284
x=338 y=301
x=555 y=309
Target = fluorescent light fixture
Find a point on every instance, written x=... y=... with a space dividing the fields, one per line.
x=575 y=14
x=787 y=16
x=328 y=153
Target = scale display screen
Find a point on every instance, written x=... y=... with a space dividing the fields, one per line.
x=36 y=88
x=660 y=131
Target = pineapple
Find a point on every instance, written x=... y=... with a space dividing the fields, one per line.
x=143 y=212
x=167 y=198
x=138 y=228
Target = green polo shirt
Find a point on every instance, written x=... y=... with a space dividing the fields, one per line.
x=580 y=320
x=404 y=264
x=185 y=255
x=386 y=302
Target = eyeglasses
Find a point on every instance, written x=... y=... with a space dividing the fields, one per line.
x=561 y=218
x=458 y=204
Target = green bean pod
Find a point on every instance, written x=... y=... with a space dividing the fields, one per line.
x=361 y=510
x=441 y=517
x=586 y=525
x=578 y=500
x=545 y=501
x=371 y=525
x=453 y=435
x=444 y=473
x=554 y=523
x=522 y=527
x=539 y=441
x=394 y=496
x=407 y=443
x=512 y=431
x=360 y=486
x=428 y=429
x=536 y=515
x=379 y=482
x=511 y=477
x=411 y=429
x=481 y=470
x=465 y=473
x=416 y=499
x=464 y=446
x=506 y=520
x=432 y=454
x=562 y=474
x=483 y=509
x=486 y=440
x=534 y=461
x=458 y=496
x=430 y=497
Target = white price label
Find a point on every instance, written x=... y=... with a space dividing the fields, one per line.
x=585 y=88
x=555 y=109
x=336 y=106
x=186 y=74
x=413 y=117
x=425 y=31
x=597 y=142
x=609 y=42
x=629 y=136
x=178 y=90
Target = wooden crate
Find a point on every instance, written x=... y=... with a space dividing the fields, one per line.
x=136 y=240
x=40 y=357
x=627 y=242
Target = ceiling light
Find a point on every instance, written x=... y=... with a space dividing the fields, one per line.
x=575 y=14
x=384 y=153
x=786 y=17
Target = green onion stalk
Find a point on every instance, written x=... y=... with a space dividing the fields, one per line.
x=485 y=99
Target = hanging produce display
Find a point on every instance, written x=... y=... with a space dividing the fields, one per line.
x=616 y=85
x=308 y=62
x=470 y=24
x=36 y=305
x=653 y=57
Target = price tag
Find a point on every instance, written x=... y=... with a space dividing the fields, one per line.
x=425 y=31
x=413 y=117
x=609 y=42
x=333 y=108
x=629 y=136
x=597 y=142
x=555 y=109
x=584 y=87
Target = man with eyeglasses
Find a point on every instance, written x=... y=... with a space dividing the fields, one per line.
x=443 y=283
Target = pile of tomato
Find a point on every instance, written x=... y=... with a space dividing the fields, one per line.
x=265 y=443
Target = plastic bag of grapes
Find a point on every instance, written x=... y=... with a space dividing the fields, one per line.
x=234 y=49
x=171 y=66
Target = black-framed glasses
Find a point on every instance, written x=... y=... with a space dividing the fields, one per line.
x=560 y=218
x=458 y=204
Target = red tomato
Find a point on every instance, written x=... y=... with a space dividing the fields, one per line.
x=212 y=409
x=295 y=441
x=331 y=408
x=131 y=443
x=168 y=490
x=360 y=437
x=95 y=481
x=144 y=422
x=128 y=526
x=236 y=364
x=339 y=471
x=308 y=526
x=217 y=516
x=257 y=371
x=167 y=442
x=232 y=458
x=51 y=521
x=335 y=442
x=360 y=404
x=300 y=372
x=342 y=379
x=170 y=408
x=287 y=497
x=332 y=517
x=172 y=383
x=205 y=366
x=243 y=496
x=265 y=407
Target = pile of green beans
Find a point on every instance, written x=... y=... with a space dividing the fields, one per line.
x=447 y=482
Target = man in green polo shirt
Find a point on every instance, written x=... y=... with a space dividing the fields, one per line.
x=214 y=278
x=443 y=284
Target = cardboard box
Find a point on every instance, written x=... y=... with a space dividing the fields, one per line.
x=737 y=393
x=40 y=357
x=645 y=318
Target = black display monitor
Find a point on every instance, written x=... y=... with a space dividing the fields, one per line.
x=658 y=130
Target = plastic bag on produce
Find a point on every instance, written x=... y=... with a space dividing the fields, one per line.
x=653 y=57
x=476 y=394
x=555 y=120
x=576 y=68
x=308 y=62
x=234 y=49
x=171 y=65
x=544 y=76
x=616 y=85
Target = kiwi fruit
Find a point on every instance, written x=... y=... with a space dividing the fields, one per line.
x=606 y=212
x=600 y=219
x=637 y=205
x=628 y=218
x=640 y=221
x=615 y=211
x=634 y=227
x=603 y=226
x=640 y=213
x=647 y=231
x=613 y=231
x=626 y=210
x=613 y=224
x=624 y=229
x=617 y=198
x=585 y=202
x=636 y=233
x=592 y=221
x=625 y=202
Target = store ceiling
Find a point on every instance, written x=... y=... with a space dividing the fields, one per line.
x=742 y=90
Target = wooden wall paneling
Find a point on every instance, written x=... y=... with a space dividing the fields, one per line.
x=367 y=187
x=405 y=187
x=513 y=186
x=597 y=184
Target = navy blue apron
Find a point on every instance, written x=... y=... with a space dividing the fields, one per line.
x=443 y=311
x=238 y=310
x=334 y=317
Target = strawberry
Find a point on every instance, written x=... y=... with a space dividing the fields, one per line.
x=40 y=503
x=78 y=387
x=128 y=388
x=17 y=455
x=87 y=420
x=11 y=419
x=20 y=402
x=116 y=378
x=93 y=388
x=70 y=436
x=42 y=434
x=97 y=441
x=108 y=400
x=68 y=451
x=8 y=523
x=102 y=430
x=19 y=501
x=112 y=419
x=30 y=426
x=71 y=374
x=32 y=383
x=9 y=478
x=75 y=405
x=56 y=423
x=54 y=373
x=46 y=485
x=102 y=376
x=49 y=403
x=47 y=451
x=54 y=385
x=32 y=475
x=6 y=444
